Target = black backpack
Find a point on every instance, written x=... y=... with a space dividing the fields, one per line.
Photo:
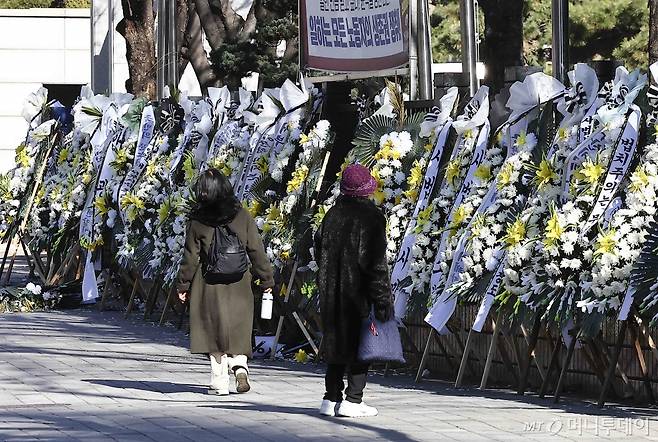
x=227 y=258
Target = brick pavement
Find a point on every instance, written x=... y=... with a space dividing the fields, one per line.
x=84 y=375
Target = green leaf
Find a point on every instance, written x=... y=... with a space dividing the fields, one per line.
x=366 y=139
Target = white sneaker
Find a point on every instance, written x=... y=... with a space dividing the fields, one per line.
x=219 y=391
x=328 y=408
x=350 y=409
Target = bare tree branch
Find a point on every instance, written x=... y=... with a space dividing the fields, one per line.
x=182 y=18
x=215 y=32
x=195 y=52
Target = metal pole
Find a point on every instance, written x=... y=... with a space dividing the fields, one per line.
x=92 y=45
x=560 y=51
x=469 y=49
x=161 y=47
x=413 y=49
x=172 y=55
x=110 y=46
x=425 y=52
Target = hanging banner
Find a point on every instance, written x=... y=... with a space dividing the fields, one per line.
x=401 y=266
x=617 y=170
x=437 y=120
x=354 y=35
x=143 y=152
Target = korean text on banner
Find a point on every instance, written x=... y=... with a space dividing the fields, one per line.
x=354 y=35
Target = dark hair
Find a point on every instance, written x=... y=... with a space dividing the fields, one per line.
x=216 y=202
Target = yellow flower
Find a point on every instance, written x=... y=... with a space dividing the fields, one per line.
x=301 y=356
x=499 y=137
x=452 y=171
x=319 y=215
x=521 y=139
x=164 y=210
x=505 y=175
x=554 y=230
x=91 y=245
x=180 y=204
x=605 y=242
x=423 y=218
x=298 y=178
x=120 y=159
x=303 y=139
x=263 y=164
x=515 y=233
x=62 y=156
x=101 y=205
x=379 y=196
x=40 y=194
x=153 y=166
x=189 y=169
x=461 y=215
x=639 y=180
x=415 y=175
x=76 y=161
x=468 y=134
x=388 y=152
x=562 y=134
x=285 y=255
x=483 y=172
x=411 y=194
x=273 y=213
x=253 y=207
x=545 y=173
x=479 y=221
x=428 y=147
x=22 y=157
x=591 y=172
x=132 y=204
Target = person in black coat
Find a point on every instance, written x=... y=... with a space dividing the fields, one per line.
x=353 y=278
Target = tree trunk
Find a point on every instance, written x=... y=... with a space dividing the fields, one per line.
x=194 y=51
x=503 y=38
x=137 y=27
x=653 y=31
x=182 y=17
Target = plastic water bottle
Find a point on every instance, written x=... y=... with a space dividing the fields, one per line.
x=266 y=306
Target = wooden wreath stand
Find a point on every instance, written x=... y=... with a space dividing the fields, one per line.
x=297 y=316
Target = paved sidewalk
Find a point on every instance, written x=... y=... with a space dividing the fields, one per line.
x=83 y=375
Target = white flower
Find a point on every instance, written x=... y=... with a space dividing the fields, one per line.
x=32 y=288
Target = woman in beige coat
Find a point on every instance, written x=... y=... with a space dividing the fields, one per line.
x=221 y=315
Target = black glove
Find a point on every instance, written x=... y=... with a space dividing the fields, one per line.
x=384 y=313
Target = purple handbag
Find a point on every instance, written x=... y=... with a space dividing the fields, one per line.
x=380 y=341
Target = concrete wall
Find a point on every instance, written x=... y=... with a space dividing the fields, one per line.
x=37 y=46
x=53 y=46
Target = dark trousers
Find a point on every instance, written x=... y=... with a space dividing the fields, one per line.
x=356 y=382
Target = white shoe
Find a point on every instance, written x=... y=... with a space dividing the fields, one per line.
x=328 y=408
x=350 y=409
x=219 y=391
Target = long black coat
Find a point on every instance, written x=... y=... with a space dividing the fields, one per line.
x=353 y=275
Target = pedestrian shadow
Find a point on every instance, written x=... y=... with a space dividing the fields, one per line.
x=382 y=433
x=152 y=386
